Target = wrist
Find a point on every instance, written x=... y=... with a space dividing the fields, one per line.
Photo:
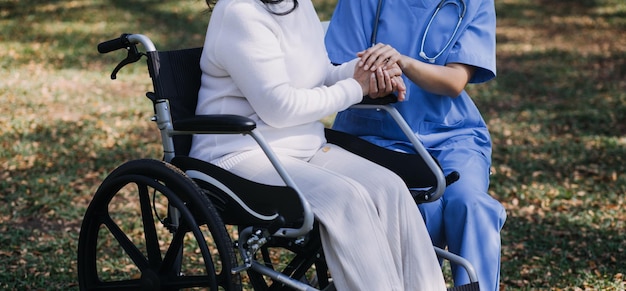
x=403 y=62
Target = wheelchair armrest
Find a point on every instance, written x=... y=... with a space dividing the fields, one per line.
x=219 y=123
x=391 y=98
x=452 y=177
x=440 y=181
x=412 y=168
x=420 y=176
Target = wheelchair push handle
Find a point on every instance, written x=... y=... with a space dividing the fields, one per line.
x=129 y=42
x=126 y=40
x=114 y=44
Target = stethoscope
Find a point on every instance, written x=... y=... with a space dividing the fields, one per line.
x=462 y=7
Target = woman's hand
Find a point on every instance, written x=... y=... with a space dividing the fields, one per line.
x=381 y=82
x=386 y=62
x=388 y=81
x=367 y=80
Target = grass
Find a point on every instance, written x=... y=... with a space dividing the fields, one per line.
x=557 y=114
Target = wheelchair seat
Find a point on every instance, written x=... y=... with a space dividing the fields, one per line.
x=238 y=199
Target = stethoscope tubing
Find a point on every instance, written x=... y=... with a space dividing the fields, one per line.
x=462 y=11
x=463 y=8
x=375 y=31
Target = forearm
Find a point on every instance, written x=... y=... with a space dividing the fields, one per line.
x=448 y=80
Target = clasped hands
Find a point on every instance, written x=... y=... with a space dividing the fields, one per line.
x=379 y=72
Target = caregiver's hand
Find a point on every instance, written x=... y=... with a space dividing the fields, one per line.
x=380 y=56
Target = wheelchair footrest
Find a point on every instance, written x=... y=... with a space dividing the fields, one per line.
x=467 y=287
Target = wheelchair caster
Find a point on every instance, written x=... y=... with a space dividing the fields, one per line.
x=301 y=260
x=149 y=227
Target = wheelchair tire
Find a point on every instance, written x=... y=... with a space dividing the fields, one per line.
x=130 y=239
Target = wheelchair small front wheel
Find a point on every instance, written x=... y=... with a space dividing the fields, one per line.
x=302 y=261
x=149 y=227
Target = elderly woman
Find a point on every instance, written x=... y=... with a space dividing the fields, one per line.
x=266 y=59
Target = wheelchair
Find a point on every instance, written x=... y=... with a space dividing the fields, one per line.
x=182 y=223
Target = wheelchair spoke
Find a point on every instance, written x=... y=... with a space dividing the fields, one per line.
x=174 y=251
x=152 y=241
x=133 y=252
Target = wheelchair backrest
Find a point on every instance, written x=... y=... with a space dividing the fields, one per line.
x=176 y=77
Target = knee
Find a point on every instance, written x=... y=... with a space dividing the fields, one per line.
x=479 y=204
x=459 y=205
x=389 y=186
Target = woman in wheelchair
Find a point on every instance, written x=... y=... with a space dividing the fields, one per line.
x=265 y=59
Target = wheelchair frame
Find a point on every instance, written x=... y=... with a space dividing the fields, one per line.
x=196 y=180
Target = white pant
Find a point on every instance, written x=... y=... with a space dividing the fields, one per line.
x=373 y=235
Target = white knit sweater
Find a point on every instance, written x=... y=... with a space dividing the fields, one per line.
x=274 y=70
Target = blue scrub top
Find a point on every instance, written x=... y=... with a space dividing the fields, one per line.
x=438 y=120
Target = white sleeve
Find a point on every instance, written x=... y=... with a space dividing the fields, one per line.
x=249 y=49
x=340 y=72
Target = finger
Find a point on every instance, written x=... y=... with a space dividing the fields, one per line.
x=401 y=95
x=361 y=58
x=378 y=57
x=394 y=71
x=388 y=83
x=392 y=60
x=399 y=83
x=400 y=88
x=364 y=55
x=373 y=92
x=387 y=56
x=380 y=77
x=374 y=55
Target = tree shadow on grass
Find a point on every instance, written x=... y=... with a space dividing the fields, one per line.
x=550 y=247
x=55 y=180
x=530 y=12
x=64 y=35
x=557 y=105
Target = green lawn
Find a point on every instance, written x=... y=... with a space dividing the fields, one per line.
x=557 y=113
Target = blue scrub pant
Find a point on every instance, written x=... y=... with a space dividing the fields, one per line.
x=466 y=219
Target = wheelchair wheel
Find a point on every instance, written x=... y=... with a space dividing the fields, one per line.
x=149 y=227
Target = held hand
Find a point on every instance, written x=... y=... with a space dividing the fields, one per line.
x=381 y=82
x=379 y=56
x=387 y=82
x=400 y=87
x=381 y=85
x=398 y=82
x=365 y=78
